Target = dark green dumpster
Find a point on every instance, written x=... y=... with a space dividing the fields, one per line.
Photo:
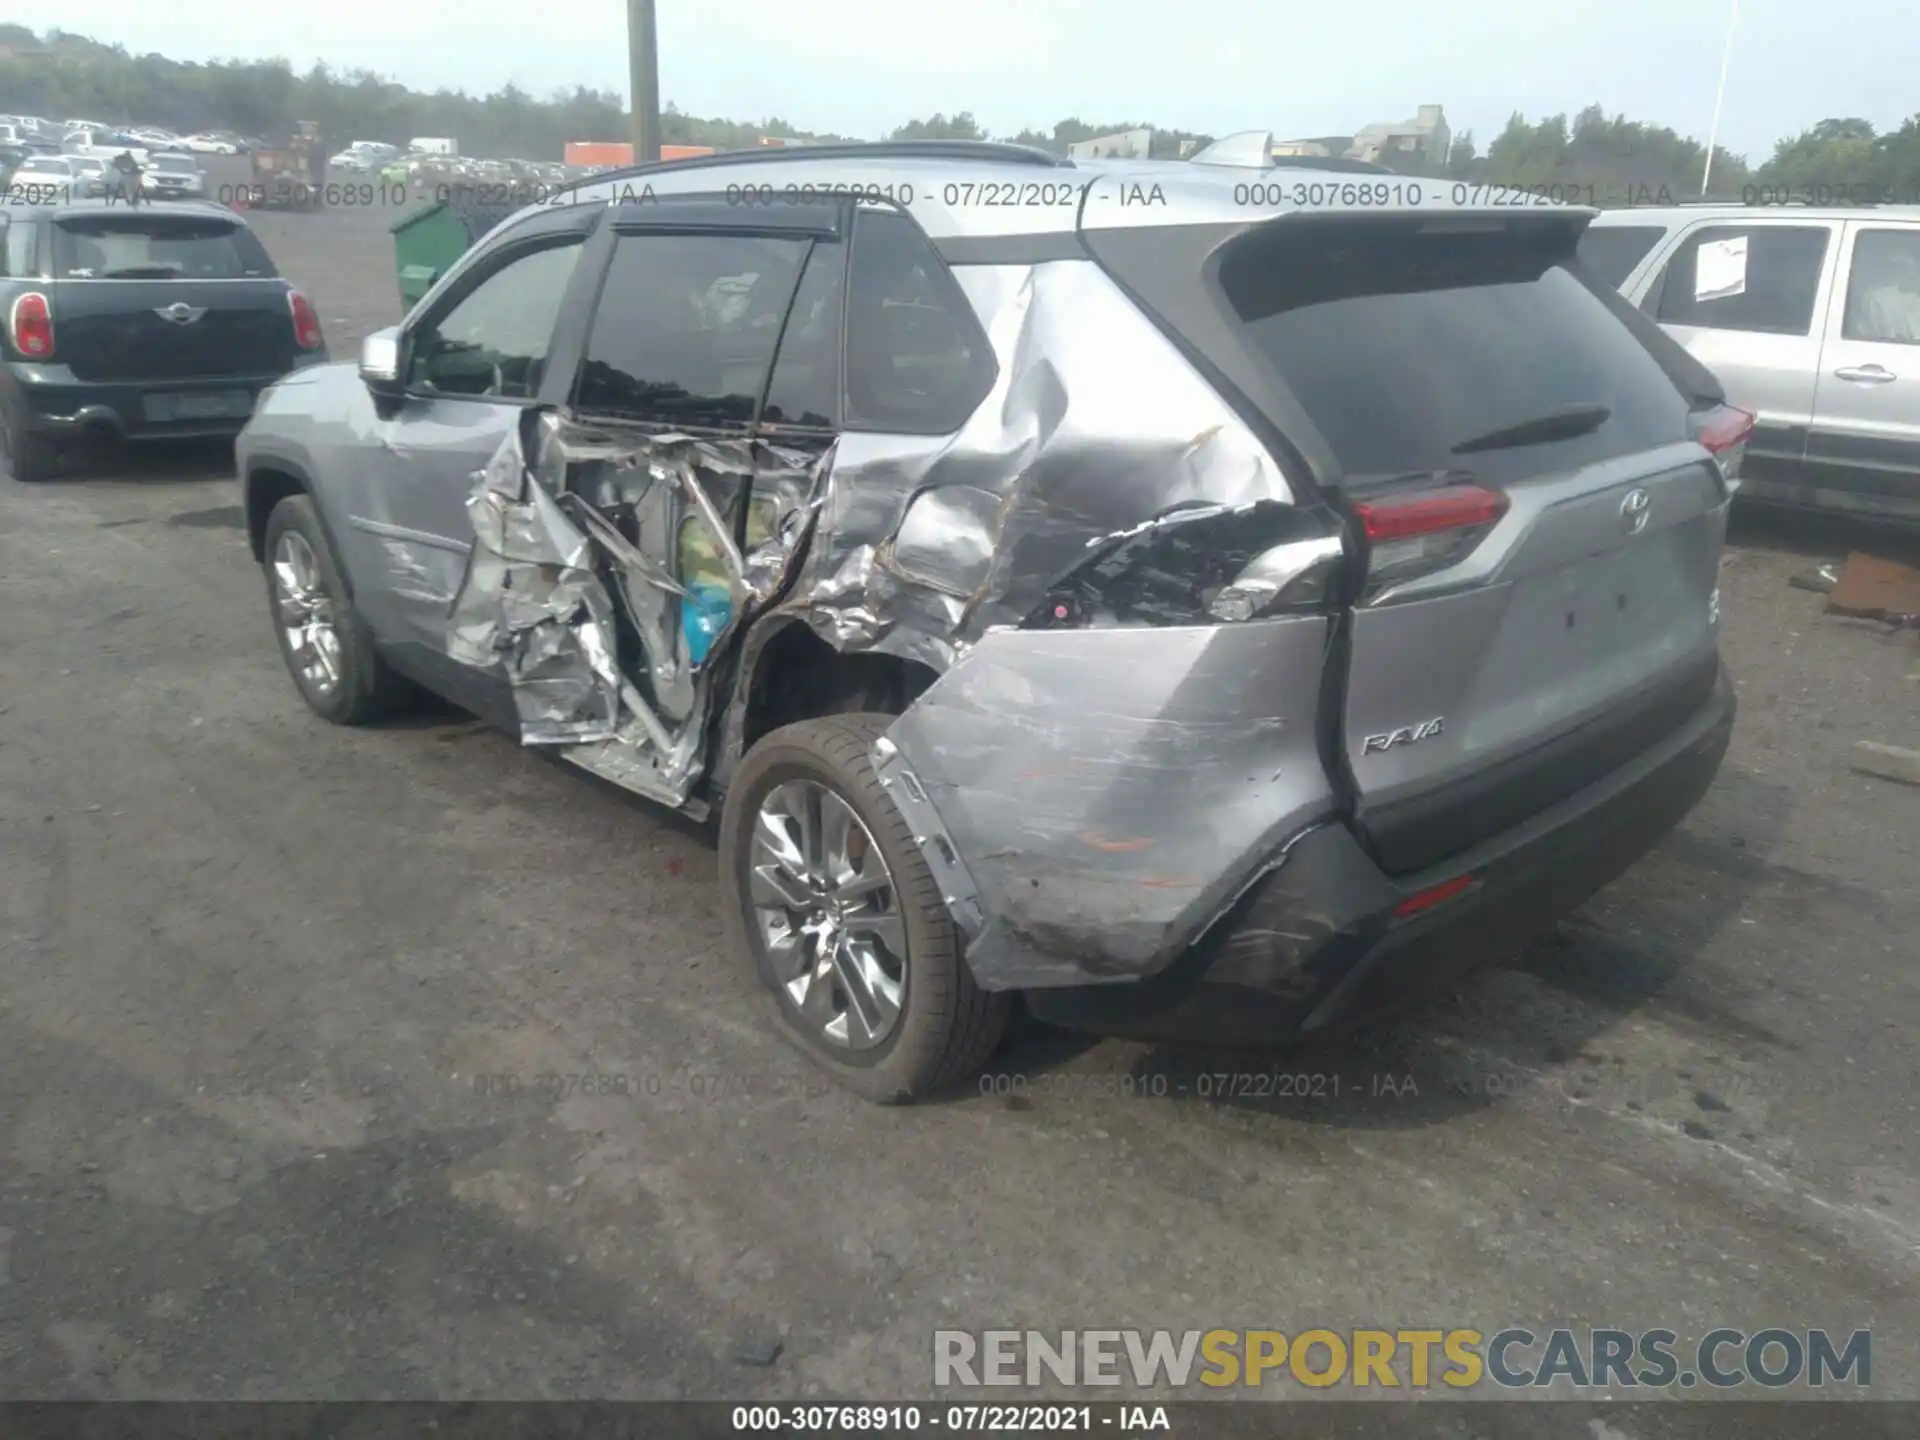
x=428 y=241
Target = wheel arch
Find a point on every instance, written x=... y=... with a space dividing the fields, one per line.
x=796 y=675
x=270 y=479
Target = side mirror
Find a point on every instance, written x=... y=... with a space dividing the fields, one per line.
x=380 y=362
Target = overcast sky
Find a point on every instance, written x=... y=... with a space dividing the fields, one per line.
x=860 y=67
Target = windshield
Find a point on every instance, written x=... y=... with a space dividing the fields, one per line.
x=44 y=165
x=175 y=164
x=157 y=246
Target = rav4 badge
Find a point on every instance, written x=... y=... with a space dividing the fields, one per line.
x=1405 y=735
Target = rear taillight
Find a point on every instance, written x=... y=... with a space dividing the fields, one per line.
x=1724 y=431
x=30 y=326
x=1417 y=532
x=306 y=321
x=1424 y=900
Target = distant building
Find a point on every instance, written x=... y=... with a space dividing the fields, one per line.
x=1124 y=145
x=1426 y=137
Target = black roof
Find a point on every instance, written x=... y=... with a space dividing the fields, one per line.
x=17 y=203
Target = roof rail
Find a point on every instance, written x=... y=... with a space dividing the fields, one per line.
x=997 y=152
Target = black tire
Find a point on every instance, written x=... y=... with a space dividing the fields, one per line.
x=948 y=1026
x=366 y=688
x=31 y=458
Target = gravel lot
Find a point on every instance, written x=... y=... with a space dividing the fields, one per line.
x=254 y=964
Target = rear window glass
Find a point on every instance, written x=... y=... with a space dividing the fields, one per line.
x=156 y=247
x=1611 y=251
x=1413 y=350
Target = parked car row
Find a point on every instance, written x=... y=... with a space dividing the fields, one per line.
x=430 y=167
x=92 y=177
x=38 y=133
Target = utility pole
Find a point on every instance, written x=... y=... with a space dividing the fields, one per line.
x=643 y=67
x=1719 y=98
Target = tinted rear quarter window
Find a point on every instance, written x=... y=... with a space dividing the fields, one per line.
x=1402 y=344
x=686 y=326
x=1611 y=251
x=158 y=246
x=17 y=258
x=917 y=360
x=1769 y=291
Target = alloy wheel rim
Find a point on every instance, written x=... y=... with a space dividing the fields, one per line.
x=829 y=916
x=304 y=612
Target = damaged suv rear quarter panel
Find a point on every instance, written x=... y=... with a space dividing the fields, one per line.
x=1110 y=791
x=1104 y=792
x=1095 y=424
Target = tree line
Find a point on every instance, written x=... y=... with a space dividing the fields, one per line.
x=1611 y=158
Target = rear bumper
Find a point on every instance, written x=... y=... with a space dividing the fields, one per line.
x=1317 y=942
x=47 y=400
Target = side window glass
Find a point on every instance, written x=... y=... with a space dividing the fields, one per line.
x=916 y=358
x=1883 y=293
x=18 y=259
x=493 y=342
x=805 y=389
x=22 y=245
x=686 y=327
x=1758 y=278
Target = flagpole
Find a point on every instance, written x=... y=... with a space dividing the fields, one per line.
x=1719 y=98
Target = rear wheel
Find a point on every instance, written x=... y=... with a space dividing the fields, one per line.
x=327 y=646
x=30 y=457
x=838 y=921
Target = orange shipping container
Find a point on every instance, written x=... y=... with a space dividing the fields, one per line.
x=619 y=152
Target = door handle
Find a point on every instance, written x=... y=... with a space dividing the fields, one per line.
x=1865 y=374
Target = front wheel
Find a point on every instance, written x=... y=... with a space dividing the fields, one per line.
x=328 y=649
x=837 y=919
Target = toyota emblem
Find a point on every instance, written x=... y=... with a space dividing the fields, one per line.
x=1634 y=510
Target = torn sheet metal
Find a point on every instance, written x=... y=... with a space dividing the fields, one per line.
x=531 y=604
x=1095 y=424
x=1099 y=796
x=612 y=568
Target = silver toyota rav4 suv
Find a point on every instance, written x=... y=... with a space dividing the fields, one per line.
x=1212 y=604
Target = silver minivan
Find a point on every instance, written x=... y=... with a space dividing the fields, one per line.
x=1811 y=319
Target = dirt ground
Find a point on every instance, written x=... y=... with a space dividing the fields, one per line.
x=260 y=979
